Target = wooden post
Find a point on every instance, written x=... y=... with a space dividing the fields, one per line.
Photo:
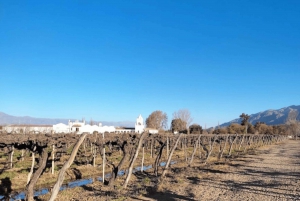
x=143 y=159
x=221 y=154
x=103 y=168
x=133 y=160
x=103 y=162
x=22 y=155
x=32 y=166
x=170 y=157
x=185 y=149
x=11 y=156
x=211 y=148
x=67 y=164
x=167 y=147
x=231 y=144
x=151 y=148
x=195 y=149
x=53 y=150
x=200 y=147
x=242 y=141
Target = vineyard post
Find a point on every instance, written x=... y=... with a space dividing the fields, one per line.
x=11 y=156
x=22 y=155
x=151 y=149
x=32 y=165
x=53 y=150
x=103 y=162
x=170 y=157
x=241 y=142
x=185 y=149
x=133 y=160
x=224 y=146
x=67 y=164
x=167 y=146
x=211 y=148
x=231 y=144
x=143 y=157
x=42 y=164
x=199 y=148
x=195 y=149
x=94 y=155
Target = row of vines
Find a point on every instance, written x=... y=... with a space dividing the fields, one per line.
x=115 y=152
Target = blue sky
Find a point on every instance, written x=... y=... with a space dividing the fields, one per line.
x=114 y=60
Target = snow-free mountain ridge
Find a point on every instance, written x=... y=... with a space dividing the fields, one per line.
x=6 y=119
x=270 y=117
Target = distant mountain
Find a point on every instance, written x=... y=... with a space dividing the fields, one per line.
x=270 y=117
x=6 y=119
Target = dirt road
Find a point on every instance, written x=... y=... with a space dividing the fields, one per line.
x=273 y=173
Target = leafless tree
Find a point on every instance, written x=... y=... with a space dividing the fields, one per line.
x=293 y=125
x=157 y=120
x=185 y=116
x=92 y=122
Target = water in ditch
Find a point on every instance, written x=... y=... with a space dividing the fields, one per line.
x=80 y=182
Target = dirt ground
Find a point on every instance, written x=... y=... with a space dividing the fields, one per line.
x=273 y=173
x=268 y=173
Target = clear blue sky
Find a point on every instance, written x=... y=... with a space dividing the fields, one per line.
x=114 y=60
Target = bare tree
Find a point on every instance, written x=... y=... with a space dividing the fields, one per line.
x=185 y=116
x=178 y=125
x=292 y=116
x=157 y=120
x=293 y=126
x=92 y=122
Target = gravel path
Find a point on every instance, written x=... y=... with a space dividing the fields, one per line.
x=271 y=174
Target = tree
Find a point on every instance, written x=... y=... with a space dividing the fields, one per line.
x=92 y=122
x=235 y=128
x=185 y=116
x=196 y=129
x=245 y=121
x=293 y=126
x=157 y=120
x=178 y=125
x=220 y=131
x=292 y=116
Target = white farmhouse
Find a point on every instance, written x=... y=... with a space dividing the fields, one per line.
x=24 y=129
x=80 y=127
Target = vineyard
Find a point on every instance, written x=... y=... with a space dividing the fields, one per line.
x=34 y=161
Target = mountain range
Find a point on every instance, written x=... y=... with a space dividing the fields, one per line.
x=270 y=117
x=6 y=119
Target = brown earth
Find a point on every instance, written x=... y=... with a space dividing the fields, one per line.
x=272 y=173
x=269 y=173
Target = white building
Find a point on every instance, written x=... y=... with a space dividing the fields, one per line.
x=80 y=127
x=26 y=129
x=139 y=125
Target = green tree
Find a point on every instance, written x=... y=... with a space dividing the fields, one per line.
x=195 y=129
x=245 y=121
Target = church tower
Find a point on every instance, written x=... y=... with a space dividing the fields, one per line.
x=139 y=125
